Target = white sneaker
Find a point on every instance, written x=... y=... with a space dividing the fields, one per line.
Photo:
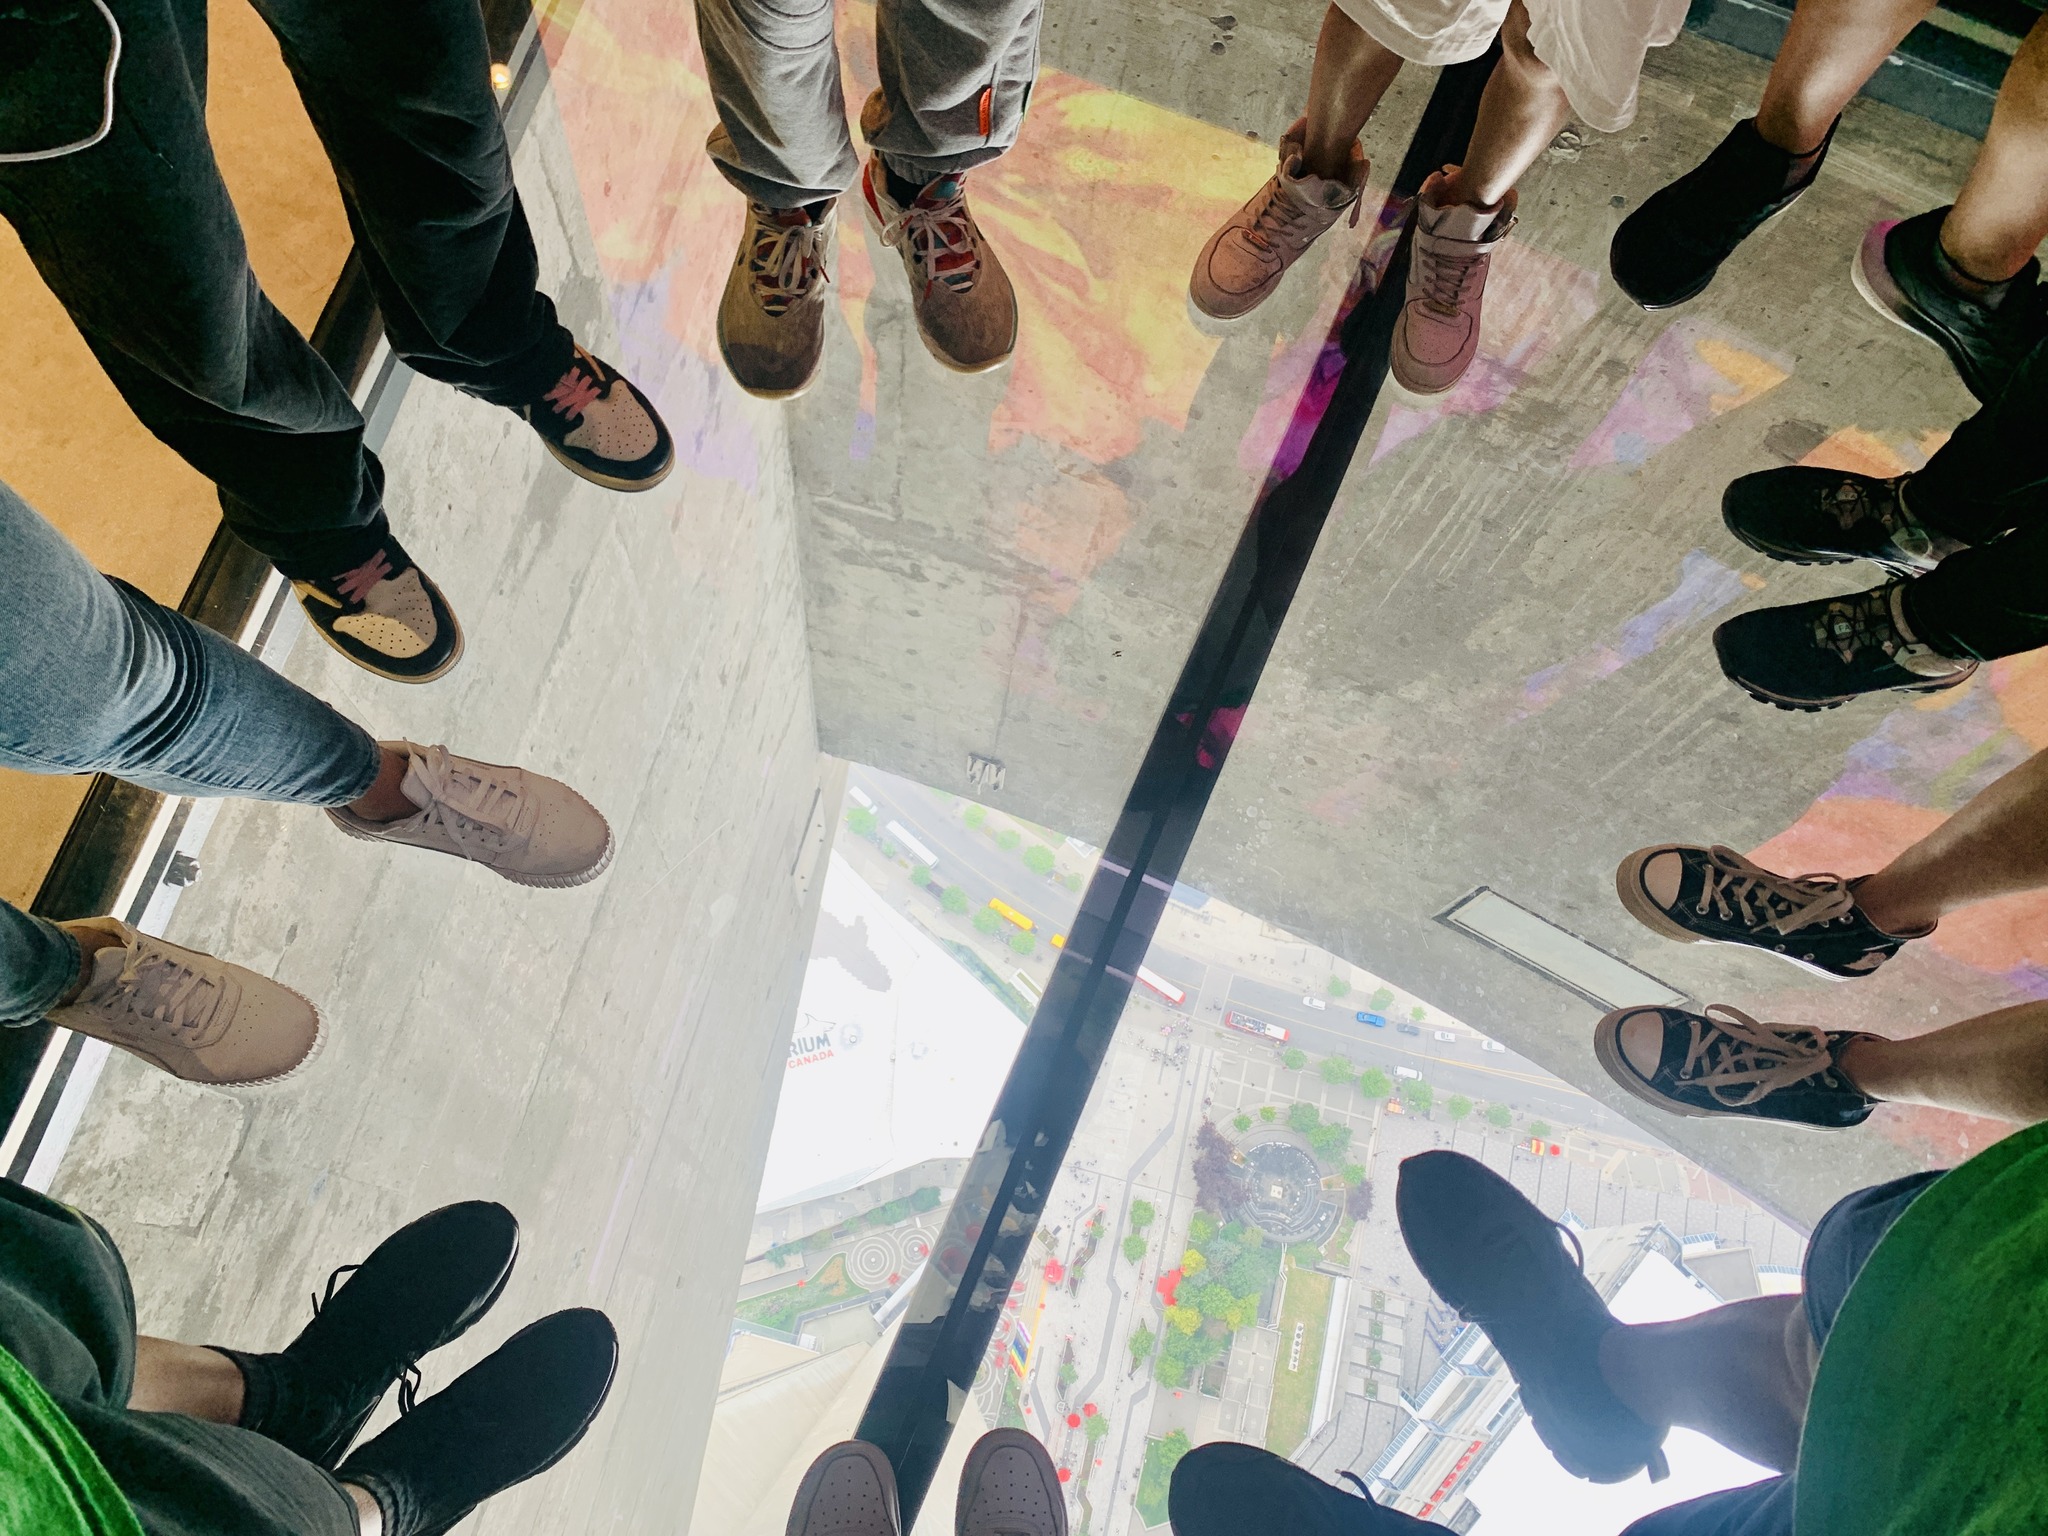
x=195 y=1016
x=1009 y=1488
x=530 y=828
x=850 y=1490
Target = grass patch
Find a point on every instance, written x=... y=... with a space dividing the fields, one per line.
x=780 y=1309
x=1161 y=1457
x=1294 y=1391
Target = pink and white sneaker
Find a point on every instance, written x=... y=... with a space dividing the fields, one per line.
x=1438 y=332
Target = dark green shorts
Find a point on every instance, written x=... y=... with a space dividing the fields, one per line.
x=67 y=1314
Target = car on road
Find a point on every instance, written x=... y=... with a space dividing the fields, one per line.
x=1409 y=1029
x=1441 y=1034
x=1316 y=1003
x=1408 y=1074
x=1493 y=1045
x=1377 y=1021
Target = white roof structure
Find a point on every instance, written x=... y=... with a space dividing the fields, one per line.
x=897 y=1055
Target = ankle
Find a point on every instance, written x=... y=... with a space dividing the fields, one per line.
x=1894 y=912
x=369 y=1513
x=1964 y=277
x=386 y=799
x=902 y=188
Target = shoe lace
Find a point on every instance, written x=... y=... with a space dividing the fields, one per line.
x=1851 y=503
x=581 y=387
x=1738 y=890
x=1288 y=225
x=408 y=1370
x=785 y=262
x=1447 y=270
x=356 y=585
x=474 y=808
x=1739 y=1061
x=155 y=985
x=1848 y=626
x=940 y=233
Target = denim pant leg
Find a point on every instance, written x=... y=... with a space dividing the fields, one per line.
x=38 y=964
x=138 y=240
x=400 y=94
x=99 y=679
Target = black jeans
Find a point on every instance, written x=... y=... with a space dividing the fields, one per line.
x=137 y=238
x=67 y=1315
x=1988 y=486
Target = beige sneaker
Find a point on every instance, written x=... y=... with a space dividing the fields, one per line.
x=1438 y=332
x=527 y=827
x=966 y=308
x=1245 y=259
x=198 y=1018
x=771 y=322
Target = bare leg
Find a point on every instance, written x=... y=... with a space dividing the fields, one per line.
x=1830 y=49
x=384 y=800
x=183 y=1378
x=1520 y=113
x=1995 y=1065
x=1994 y=846
x=369 y=1518
x=1739 y=1373
x=1352 y=73
x=2001 y=217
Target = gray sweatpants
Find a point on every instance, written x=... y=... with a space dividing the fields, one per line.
x=956 y=75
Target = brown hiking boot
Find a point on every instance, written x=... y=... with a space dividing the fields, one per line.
x=771 y=321
x=1245 y=259
x=966 y=309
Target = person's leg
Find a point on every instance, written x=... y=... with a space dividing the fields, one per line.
x=1996 y=845
x=956 y=79
x=185 y=1378
x=138 y=240
x=1521 y=111
x=2001 y=216
x=1994 y=1065
x=39 y=966
x=1351 y=74
x=1830 y=49
x=1739 y=1374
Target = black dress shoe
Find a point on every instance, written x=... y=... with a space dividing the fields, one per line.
x=507 y=1418
x=419 y=1289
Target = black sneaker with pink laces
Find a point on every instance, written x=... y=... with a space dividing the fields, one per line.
x=595 y=421
x=385 y=615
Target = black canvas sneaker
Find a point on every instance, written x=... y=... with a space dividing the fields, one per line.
x=1227 y=1488
x=386 y=616
x=1724 y=1063
x=1810 y=656
x=1832 y=516
x=1713 y=895
x=604 y=429
x=1669 y=249
x=1899 y=270
x=421 y=1288
x=507 y=1418
x=1488 y=1252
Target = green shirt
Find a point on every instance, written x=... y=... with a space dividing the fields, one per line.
x=51 y=1484
x=1929 y=1414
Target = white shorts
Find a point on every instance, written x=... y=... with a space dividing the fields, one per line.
x=1596 y=47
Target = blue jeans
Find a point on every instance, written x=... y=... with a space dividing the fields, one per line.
x=99 y=679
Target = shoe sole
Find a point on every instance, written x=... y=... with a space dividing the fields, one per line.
x=1628 y=887
x=1215 y=325
x=612 y=482
x=1813 y=557
x=461 y=644
x=814 y=1480
x=539 y=882
x=874 y=224
x=978 y=1458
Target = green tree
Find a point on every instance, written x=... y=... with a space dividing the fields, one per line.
x=1374 y=1083
x=1381 y=1000
x=1141 y=1215
x=920 y=874
x=1008 y=838
x=1303 y=1117
x=1242 y=1122
x=1243 y=1312
x=1336 y=1069
x=1539 y=1130
x=1134 y=1247
x=975 y=815
x=1339 y=987
x=1268 y=1113
x=1071 y=881
x=1499 y=1116
x=1095 y=1426
x=861 y=821
x=1023 y=943
x=1293 y=1058
x=1418 y=1013
x=1142 y=1341
x=1353 y=1175
x=1330 y=1141
x=1305 y=1255
x=954 y=899
x=1457 y=1106
x=1193 y=1262
x=1183 y=1319
x=985 y=921
x=1201 y=1227
x=1419 y=1096
x=1038 y=859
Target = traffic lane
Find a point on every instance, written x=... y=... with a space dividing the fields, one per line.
x=1260 y=997
x=964 y=852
